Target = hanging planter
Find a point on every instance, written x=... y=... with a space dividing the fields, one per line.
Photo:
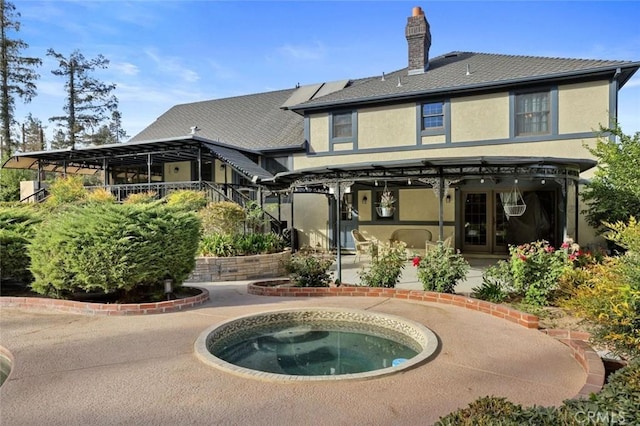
x=512 y=202
x=385 y=211
x=386 y=206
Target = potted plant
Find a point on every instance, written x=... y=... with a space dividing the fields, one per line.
x=386 y=206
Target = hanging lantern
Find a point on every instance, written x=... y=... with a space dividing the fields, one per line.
x=512 y=202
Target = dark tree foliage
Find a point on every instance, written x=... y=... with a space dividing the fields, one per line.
x=613 y=194
x=89 y=102
x=18 y=72
x=32 y=135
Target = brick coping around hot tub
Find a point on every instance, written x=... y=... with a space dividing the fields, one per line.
x=88 y=308
x=269 y=289
x=576 y=341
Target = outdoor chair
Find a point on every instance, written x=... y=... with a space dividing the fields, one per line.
x=430 y=245
x=363 y=244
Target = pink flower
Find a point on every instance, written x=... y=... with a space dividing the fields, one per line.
x=549 y=249
x=565 y=245
x=572 y=257
x=416 y=261
x=523 y=257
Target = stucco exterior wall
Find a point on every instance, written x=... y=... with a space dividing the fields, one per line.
x=319 y=132
x=421 y=204
x=311 y=219
x=182 y=174
x=583 y=107
x=382 y=127
x=477 y=118
x=567 y=148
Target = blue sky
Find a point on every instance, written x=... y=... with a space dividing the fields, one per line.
x=165 y=53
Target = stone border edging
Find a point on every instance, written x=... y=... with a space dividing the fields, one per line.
x=110 y=309
x=496 y=310
x=582 y=352
x=586 y=357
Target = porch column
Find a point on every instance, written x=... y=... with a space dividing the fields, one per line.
x=105 y=173
x=577 y=211
x=338 y=250
x=441 y=209
x=200 y=166
x=149 y=169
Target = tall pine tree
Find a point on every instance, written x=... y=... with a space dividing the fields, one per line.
x=18 y=72
x=88 y=101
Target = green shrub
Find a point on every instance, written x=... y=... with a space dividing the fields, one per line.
x=490 y=290
x=146 y=197
x=225 y=245
x=255 y=218
x=187 y=199
x=309 y=269
x=441 y=269
x=610 y=298
x=65 y=190
x=101 y=195
x=387 y=263
x=536 y=269
x=17 y=227
x=618 y=403
x=223 y=217
x=113 y=248
x=487 y=411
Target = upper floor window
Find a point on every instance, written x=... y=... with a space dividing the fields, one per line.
x=432 y=115
x=533 y=111
x=342 y=125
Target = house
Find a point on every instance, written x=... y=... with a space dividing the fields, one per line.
x=488 y=149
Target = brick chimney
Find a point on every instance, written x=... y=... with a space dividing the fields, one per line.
x=419 y=40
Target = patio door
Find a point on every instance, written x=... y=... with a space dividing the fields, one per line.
x=348 y=221
x=484 y=223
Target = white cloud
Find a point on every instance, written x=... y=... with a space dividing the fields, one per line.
x=124 y=68
x=313 y=52
x=172 y=65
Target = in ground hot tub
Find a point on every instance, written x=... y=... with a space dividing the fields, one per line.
x=316 y=344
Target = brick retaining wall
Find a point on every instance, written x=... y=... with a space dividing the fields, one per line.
x=239 y=268
x=88 y=308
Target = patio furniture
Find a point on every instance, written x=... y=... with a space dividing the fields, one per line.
x=415 y=239
x=430 y=245
x=363 y=244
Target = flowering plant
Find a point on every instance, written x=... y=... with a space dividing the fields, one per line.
x=387 y=199
x=386 y=268
x=441 y=269
x=536 y=268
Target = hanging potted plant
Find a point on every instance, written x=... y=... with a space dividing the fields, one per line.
x=386 y=206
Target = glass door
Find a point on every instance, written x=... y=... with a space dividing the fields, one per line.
x=475 y=218
x=485 y=224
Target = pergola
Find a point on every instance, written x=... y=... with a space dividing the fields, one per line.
x=437 y=173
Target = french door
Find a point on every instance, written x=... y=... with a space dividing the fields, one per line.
x=484 y=223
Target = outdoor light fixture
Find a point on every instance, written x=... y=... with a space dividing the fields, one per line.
x=176 y=169
x=376 y=183
x=168 y=287
x=448 y=198
x=409 y=181
x=481 y=180
x=543 y=181
x=364 y=199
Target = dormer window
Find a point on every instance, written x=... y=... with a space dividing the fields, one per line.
x=533 y=111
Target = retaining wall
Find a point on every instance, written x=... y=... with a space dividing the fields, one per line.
x=239 y=268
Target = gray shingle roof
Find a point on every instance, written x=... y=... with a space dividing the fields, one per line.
x=254 y=122
x=448 y=73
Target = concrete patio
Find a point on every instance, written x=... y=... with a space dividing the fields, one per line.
x=77 y=370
